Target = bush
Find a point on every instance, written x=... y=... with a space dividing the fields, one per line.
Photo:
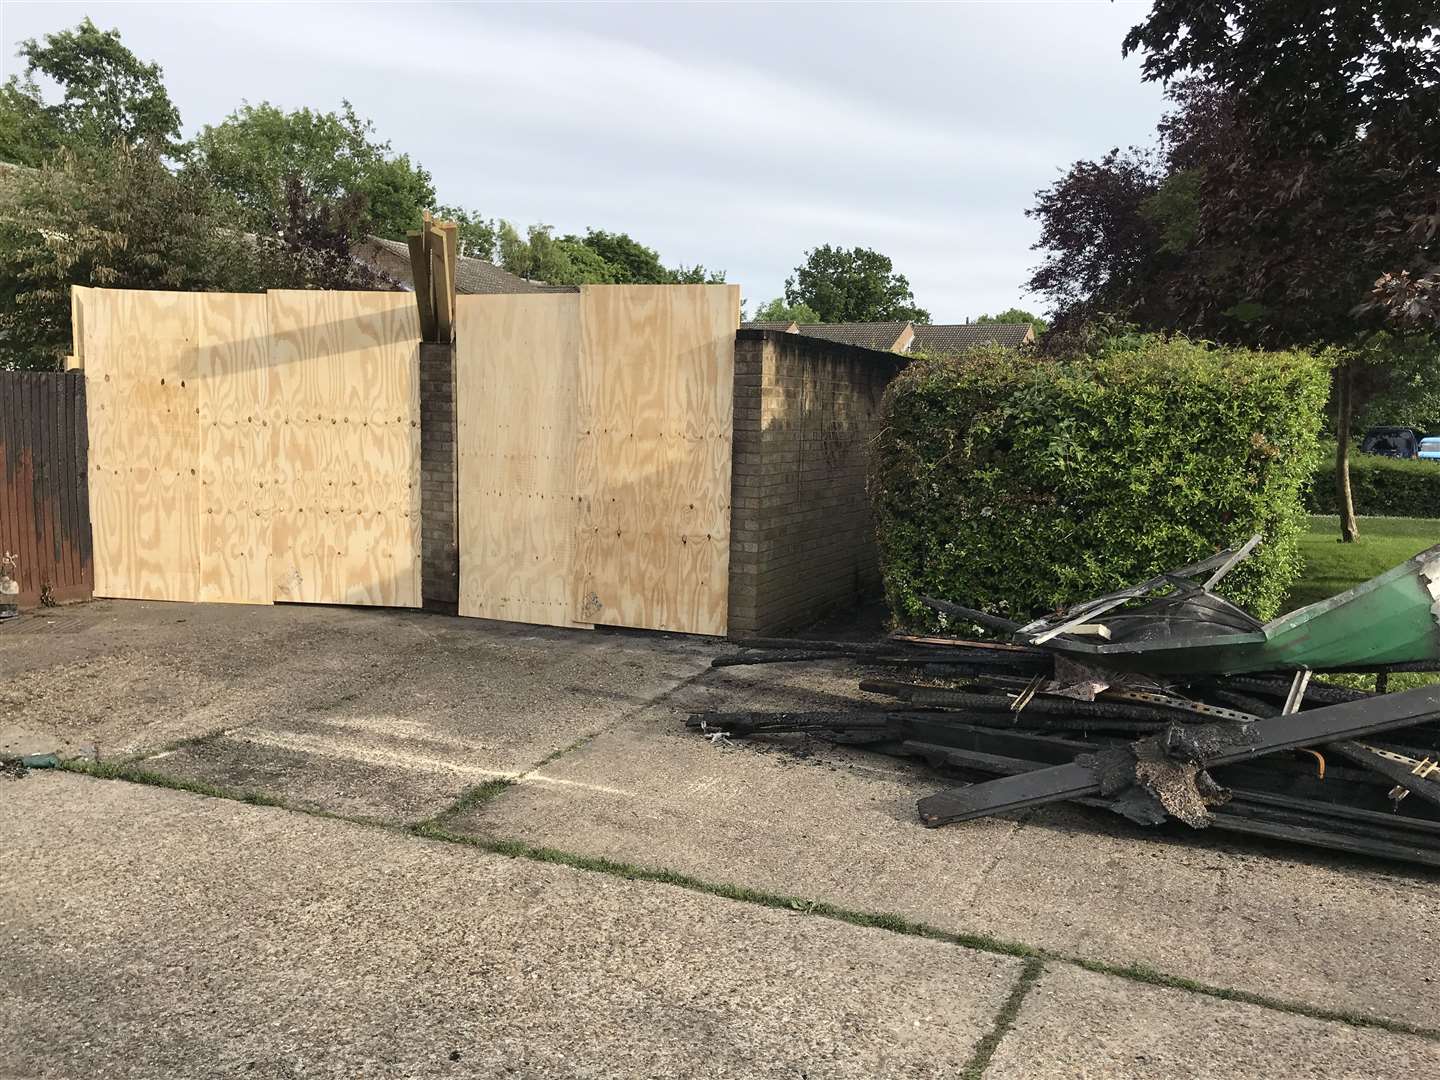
x=1379 y=486
x=1016 y=486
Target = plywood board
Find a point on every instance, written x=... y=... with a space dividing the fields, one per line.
x=345 y=404
x=236 y=484
x=516 y=358
x=653 y=445
x=141 y=357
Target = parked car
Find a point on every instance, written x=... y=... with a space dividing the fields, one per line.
x=1396 y=442
x=1430 y=449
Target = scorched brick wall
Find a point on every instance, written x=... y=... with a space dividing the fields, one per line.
x=801 y=538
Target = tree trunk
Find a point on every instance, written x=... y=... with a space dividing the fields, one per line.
x=1349 y=528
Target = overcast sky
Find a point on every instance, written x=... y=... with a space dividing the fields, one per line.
x=733 y=135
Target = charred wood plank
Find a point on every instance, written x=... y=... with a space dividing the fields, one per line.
x=1209 y=746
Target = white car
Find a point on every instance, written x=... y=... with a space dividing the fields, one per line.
x=1429 y=449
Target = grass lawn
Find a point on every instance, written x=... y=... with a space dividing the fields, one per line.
x=1332 y=567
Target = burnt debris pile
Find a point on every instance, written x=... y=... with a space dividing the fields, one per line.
x=1163 y=702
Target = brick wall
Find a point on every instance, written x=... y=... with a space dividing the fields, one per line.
x=439 y=553
x=801 y=538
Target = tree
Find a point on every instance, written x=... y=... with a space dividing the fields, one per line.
x=854 y=285
x=631 y=262
x=1294 y=200
x=118 y=219
x=1016 y=316
x=107 y=95
x=256 y=149
x=477 y=236
x=779 y=311
x=1330 y=174
x=541 y=256
x=696 y=275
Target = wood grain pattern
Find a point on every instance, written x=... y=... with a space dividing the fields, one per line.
x=345 y=405
x=235 y=449
x=141 y=357
x=653 y=443
x=516 y=359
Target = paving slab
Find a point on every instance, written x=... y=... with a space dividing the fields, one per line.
x=155 y=933
x=811 y=820
x=1076 y=1023
x=389 y=714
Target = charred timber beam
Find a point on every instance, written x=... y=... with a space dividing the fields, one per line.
x=1205 y=748
x=979 y=618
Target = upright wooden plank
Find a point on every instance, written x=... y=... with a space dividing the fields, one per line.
x=141 y=357
x=442 y=276
x=653 y=449
x=420 y=272
x=345 y=402
x=235 y=452
x=516 y=358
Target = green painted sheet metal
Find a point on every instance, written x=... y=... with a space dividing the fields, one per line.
x=1390 y=619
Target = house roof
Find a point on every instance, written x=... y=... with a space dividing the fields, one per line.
x=884 y=336
x=471 y=275
x=958 y=337
x=790 y=327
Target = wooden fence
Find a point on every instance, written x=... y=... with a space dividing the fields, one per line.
x=253 y=448
x=44 y=509
x=594 y=445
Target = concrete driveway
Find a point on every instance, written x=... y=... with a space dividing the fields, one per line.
x=337 y=842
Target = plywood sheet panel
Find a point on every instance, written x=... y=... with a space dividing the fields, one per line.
x=235 y=452
x=345 y=405
x=653 y=443
x=516 y=361
x=141 y=360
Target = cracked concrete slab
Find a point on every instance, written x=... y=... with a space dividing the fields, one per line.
x=1077 y=1023
x=816 y=821
x=156 y=933
x=380 y=713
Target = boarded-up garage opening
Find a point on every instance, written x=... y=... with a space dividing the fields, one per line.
x=252 y=448
x=594 y=439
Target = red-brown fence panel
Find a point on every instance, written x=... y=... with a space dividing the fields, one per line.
x=44 y=492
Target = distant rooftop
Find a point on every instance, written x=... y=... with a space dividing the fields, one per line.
x=957 y=337
x=471 y=275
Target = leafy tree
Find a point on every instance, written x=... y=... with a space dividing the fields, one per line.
x=1330 y=173
x=477 y=236
x=255 y=150
x=1016 y=316
x=696 y=275
x=597 y=258
x=107 y=94
x=119 y=218
x=1293 y=201
x=631 y=262
x=779 y=311
x=541 y=256
x=852 y=285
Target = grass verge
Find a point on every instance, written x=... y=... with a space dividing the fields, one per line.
x=1332 y=567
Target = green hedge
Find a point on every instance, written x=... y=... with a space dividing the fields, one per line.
x=1379 y=486
x=1016 y=485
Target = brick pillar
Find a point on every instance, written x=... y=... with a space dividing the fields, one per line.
x=439 y=518
x=747 y=501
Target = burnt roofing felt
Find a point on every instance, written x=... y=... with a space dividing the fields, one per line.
x=876 y=335
x=473 y=275
x=958 y=337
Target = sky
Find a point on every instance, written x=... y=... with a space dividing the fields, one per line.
x=734 y=135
